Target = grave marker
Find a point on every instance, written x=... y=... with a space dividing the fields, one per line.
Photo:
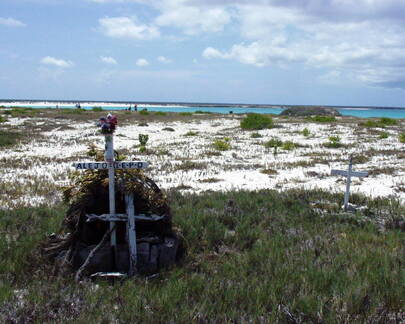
x=107 y=127
x=349 y=174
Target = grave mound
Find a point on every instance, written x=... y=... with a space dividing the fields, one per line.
x=81 y=244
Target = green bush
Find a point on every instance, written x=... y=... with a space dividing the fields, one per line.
x=334 y=142
x=221 y=145
x=288 y=145
x=274 y=143
x=3 y=119
x=160 y=113
x=381 y=123
x=255 y=121
x=402 y=137
x=306 y=132
x=97 y=109
x=383 y=135
x=144 y=112
x=203 y=112
x=191 y=133
x=322 y=119
x=143 y=139
x=256 y=135
x=388 y=121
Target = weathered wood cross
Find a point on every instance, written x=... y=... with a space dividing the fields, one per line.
x=348 y=174
x=113 y=217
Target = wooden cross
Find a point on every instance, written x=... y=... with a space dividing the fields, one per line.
x=349 y=174
x=113 y=217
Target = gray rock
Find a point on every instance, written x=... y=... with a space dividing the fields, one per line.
x=310 y=111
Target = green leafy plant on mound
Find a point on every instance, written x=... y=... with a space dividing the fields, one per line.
x=334 y=142
x=322 y=119
x=255 y=121
x=143 y=140
x=222 y=145
x=306 y=132
x=401 y=137
x=274 y=143
x=288 y=145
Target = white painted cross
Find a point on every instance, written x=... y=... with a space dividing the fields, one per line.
x=349 y=174
x=112 y=217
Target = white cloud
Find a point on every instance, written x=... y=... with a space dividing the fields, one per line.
x=49 y=60
x=142 y=62
x=124 y=27
x=11 y=22
x=163 y=59
x=108 y=60
x=191 y=18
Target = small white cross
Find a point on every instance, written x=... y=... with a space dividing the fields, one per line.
x=349 y=174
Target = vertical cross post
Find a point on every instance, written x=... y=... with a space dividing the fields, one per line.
x=131 y=230
x=349 y=178
x=109 y=157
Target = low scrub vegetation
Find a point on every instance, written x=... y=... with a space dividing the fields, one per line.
x=334 y=142
x=254 y=257
x=322 y=119
x=402 y=137
x=380 y=123
x=97 y=109
x=8 y=138
x=222 y=145
x=256 y=121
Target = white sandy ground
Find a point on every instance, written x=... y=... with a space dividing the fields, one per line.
x=48 y=162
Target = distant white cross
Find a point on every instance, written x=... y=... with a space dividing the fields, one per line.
x=349 y=174
x=112 y=217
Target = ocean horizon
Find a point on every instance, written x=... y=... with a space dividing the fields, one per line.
x=361 y=111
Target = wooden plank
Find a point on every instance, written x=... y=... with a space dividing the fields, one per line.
x=110 y=165
x=131 y=229
x=352 y=173
x=122 y=217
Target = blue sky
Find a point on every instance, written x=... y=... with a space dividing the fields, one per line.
x=334 y=52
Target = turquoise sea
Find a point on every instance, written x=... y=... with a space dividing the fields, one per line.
x=357 y=112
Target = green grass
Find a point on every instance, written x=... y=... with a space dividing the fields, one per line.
x=160 y=113
x=256 y=121
x=322 y=119
x=21 y=112
x=191 y=133
x=267 y=257
x=3 y=119
x=222 y=145
x=144 y=112
x=186 y=113
x=401 y=137
x=9 y=138
x=97 y=109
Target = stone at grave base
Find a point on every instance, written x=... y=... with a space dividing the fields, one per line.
x=168 y=251
x=101 y=261
x=354 y=208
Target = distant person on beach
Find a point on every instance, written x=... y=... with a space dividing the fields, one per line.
x=130 y=108
x=135 y=107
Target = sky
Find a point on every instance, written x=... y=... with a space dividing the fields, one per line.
x=320 y=52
